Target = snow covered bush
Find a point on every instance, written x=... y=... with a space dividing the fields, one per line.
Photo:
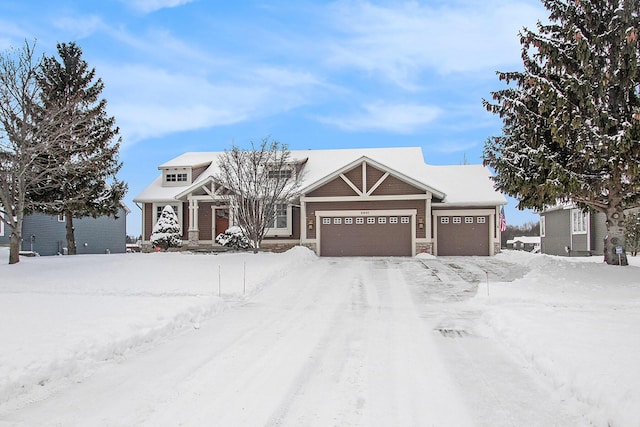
x=234 y=238
x=166 y=232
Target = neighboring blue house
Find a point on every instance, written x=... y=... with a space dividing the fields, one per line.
x=46 y=234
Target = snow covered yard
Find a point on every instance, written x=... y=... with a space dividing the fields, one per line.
x=63 y=315
x=351 y=340
x=577 y=322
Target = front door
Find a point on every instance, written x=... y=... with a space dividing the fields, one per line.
x=222 y=220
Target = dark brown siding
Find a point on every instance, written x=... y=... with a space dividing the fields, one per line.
x=205 y=220
x=185 y=221
x=355 y=176
x=418 y=205
x=463 y=238
x=373 y=175
x=195 y=173
x=353 y=239
x=337 y=187
x=295 y=217
x=148 y=220
x=392 y=186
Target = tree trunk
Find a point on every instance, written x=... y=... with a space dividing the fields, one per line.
x=15 y=241
x=71 y=238
x=614 y=248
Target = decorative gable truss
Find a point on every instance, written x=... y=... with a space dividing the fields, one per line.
x=370 y=191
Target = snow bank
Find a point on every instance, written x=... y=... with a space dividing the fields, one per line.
x=576 y=321
x=61 y=316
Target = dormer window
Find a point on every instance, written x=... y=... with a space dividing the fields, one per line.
x=280 y=173
x=176 y=177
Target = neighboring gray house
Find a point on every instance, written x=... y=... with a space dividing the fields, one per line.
x=568 y=231
x=46 y=234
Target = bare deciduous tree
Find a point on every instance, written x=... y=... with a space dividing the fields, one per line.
x=258 y=180
x=20 y=163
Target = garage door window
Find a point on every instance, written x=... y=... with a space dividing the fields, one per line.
x=371 y=220
x=444 y=220
x=348 y=221
x=481 y=220
x=359 y=220
x=337 y=220
x=457 y=220
x=382 y=220
x=326 y=221
x=404 y=220
x=468 y=220
x=393 y=220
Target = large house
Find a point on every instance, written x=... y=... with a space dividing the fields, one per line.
x=353 y=202
x=46 y=234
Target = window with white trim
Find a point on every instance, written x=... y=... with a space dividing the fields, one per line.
x=404 y=220
x=371 y=220
x=542 y=225
x=457 y=220
x=444 y=220
x=468 y=220
x=61 y=218
x=348 y=221
x=337 y=220
x=158 y=211
x=359 y=220
x=280 y=173
x=326 y=221
x=393 y=220
x=176 y=177
x=481 y=220
x=579 y=221
x=280 y=216
x=382 y=220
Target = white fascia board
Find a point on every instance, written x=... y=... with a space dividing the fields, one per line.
x=378 y=165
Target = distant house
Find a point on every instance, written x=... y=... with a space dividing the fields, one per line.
x=353 y=202
x=566 y=230
x=524 y=243
x=46 y=234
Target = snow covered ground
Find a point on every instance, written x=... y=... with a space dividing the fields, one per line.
x=336 y=341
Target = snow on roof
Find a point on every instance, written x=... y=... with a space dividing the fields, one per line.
x=535 y=240
x=461 y=185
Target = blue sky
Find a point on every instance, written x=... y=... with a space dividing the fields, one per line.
x=199 y=75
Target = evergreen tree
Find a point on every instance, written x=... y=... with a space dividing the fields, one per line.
x=87 y=156
x=166 y=231
x=571 y=118
x=632 y=237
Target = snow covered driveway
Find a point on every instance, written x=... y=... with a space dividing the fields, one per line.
x=343 y=342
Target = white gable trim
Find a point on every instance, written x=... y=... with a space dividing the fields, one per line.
x=364 y=160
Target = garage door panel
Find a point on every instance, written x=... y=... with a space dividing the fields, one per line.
x=362 y=236
x=463 y=238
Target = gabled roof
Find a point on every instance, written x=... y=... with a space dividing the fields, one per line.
x=467 y=185
x=378 y=165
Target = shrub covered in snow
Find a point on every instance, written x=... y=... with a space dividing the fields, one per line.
x=166 y=232
x=233 y=237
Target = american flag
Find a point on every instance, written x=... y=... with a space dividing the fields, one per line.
x=503 y=220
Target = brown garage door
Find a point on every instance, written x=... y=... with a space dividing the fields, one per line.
x=365 y=236
x=463 y=235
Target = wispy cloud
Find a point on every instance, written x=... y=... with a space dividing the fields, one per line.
x=152 y=102
x=147 y=6
x=80 y=26
x=381 y=116
x=401 y=41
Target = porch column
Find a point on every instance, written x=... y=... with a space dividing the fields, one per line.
x=194 y=232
